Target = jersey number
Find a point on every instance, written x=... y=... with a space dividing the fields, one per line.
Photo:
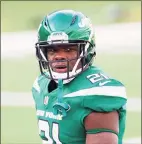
x=44 y=126
x=97 y=77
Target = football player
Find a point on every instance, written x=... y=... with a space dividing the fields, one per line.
x=76 y=102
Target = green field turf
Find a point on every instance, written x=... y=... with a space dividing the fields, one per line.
x=19 y=125
x=18 y=75
x=24 y=15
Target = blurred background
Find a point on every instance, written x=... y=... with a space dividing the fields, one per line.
x=117 y=26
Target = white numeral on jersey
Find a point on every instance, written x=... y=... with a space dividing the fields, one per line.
x=96 y=77
x=55 y=133
x=44 y=126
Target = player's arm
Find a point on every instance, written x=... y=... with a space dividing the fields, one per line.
x=102 y=128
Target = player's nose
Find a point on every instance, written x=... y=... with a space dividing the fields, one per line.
x=60 y=55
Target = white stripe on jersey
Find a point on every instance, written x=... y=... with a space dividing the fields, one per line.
x=116 y=91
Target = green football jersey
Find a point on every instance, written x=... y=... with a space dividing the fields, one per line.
x=91 y=91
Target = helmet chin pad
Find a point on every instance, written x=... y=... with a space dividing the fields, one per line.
x=64 y=77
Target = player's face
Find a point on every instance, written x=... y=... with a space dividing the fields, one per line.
x=60 y=54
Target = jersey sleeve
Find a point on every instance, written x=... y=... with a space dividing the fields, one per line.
x=106 y=98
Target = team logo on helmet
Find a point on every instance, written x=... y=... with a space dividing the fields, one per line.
x=84 y=22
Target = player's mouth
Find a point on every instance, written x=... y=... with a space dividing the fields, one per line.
x=60 y=68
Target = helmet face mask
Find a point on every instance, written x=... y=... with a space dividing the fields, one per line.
x=79 y=37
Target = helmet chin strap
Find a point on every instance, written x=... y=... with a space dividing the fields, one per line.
x=60 y=107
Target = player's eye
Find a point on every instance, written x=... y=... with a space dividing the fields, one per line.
x=51 y=51
x=68 y=49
